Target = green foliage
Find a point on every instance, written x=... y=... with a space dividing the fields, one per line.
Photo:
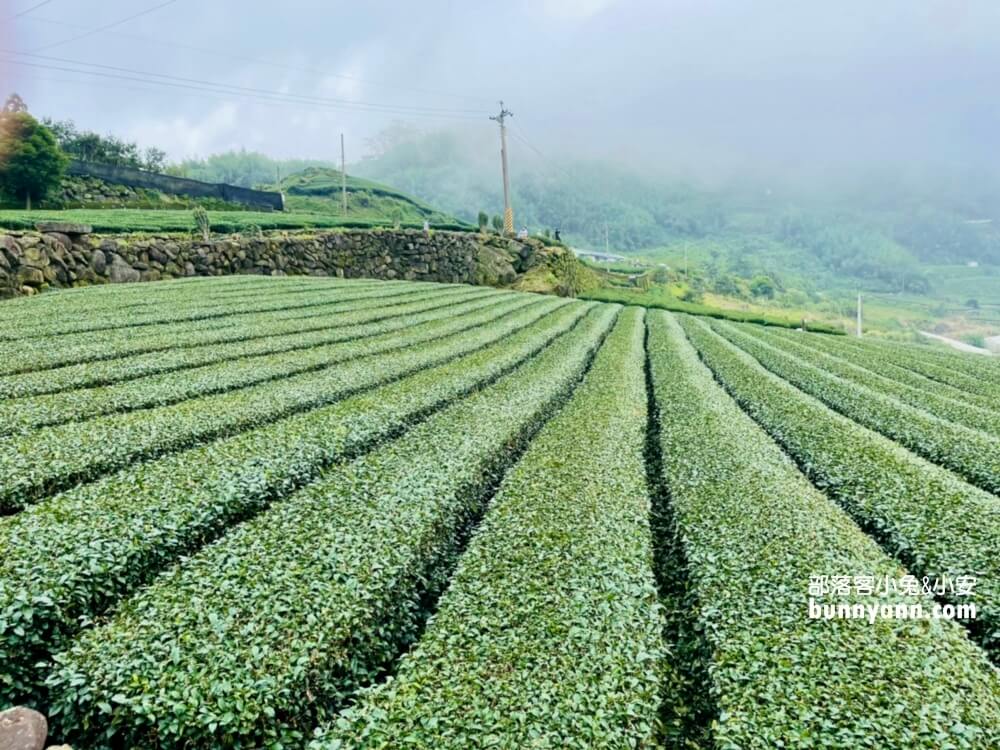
x=483 y=220
x=218 y=370
x=31 y=164
x=182 y=221
x=143 y=435
x=244 y=168
x=202 y=223
x=657 y=299
x=497 y=222
x=557 y=574
x=892 y=493
x=351 y=607
x=161 y=443
x=755 y=531
x=105 y=149
x=882 y=235
x=762 y=286
x=692 y=295
x=152 y=513
x=971 y=453
x=726 y=285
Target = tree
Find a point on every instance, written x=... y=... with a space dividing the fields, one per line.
x=31 y=163
x=762 y=286
x=484 y=220
x=154 y=159
x=14 y=105
x=498 y=222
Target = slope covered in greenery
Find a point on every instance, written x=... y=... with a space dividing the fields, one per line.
x=318 y=190
x=445 y=516
x=878 y=233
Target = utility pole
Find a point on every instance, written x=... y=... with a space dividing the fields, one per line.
x=859 y=314
x=508 y=212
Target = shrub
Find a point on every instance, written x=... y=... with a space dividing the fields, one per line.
x=31 y=163
x=755 y=531
x=317 y=619
x=559 y=574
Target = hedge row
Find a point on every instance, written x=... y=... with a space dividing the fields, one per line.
x=250 y=641
x=935 y=523
x=887 y=363
x=211 y=344
x=975 y=365
x=945 y=407
x=755 y=531
x=70 y=558
x=183 y=308
x=550 y=633
x=299 y=354
x=158 y=221
x=37 y=353
x=105 y=299
x=51 y=459
x=973 y=454
x=935 y=365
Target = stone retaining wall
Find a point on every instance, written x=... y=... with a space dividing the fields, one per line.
x=35 y=261
x=137 y=178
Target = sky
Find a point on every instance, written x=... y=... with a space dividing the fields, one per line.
x=697 y=85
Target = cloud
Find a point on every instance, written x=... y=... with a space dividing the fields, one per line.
x=182 y=137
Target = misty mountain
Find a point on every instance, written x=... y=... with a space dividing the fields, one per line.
x=880 y=228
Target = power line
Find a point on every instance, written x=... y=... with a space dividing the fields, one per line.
x=398 y=109
x=519 y=135
x=401 y=108
x=32 y=9
x=112 y=25
x=267 y=63
x=258 y=94
x=394 y=108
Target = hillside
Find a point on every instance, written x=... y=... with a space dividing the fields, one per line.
x=312 y=201
x=318 y=190
x=232 y=507
x=924 y=247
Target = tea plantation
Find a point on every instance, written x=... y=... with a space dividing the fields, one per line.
x=246 y=512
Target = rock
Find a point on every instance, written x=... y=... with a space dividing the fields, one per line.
x=10 y=247
x=122 y=272
x=30 y=276
x=158 y=256
x=189 y=269
x=35 y=255
x=63 y=227
x=62 y=239
x=98 y=261
x=22 y=729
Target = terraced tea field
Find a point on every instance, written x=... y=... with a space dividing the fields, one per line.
x=246 y=512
